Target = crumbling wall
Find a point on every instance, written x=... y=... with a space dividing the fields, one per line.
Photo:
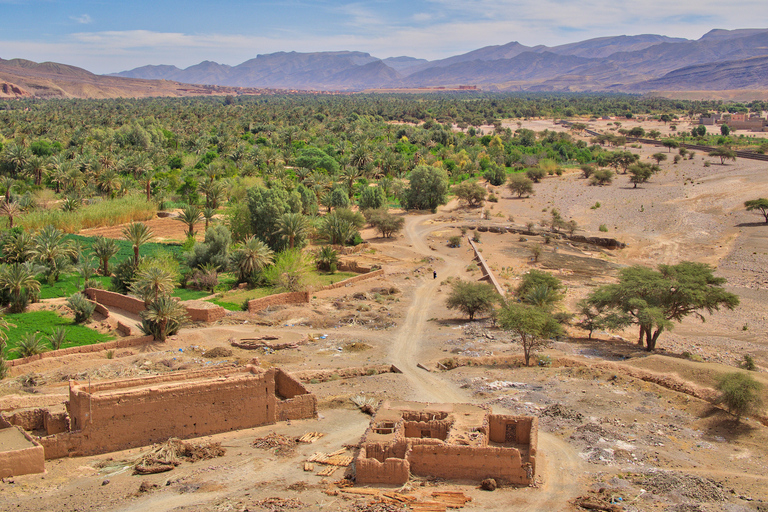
x=201 y=313
x=286 y=386
x=294 y=401
x=126 y=414
x=497 y=424
x=116 y=300
x=24 y=461
x=279 y=299
x=435 y=429
x=379 y=464
x=345 y=282
x=96 y=347
x=467 y=463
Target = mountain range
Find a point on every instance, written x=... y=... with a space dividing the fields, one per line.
x=720 y=60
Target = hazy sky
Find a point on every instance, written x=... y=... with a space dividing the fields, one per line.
x=106 y=36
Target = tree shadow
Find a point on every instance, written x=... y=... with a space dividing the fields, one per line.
x=751 y=224
x=724 y=425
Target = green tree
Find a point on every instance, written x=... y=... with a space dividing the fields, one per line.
x=472 y=298
x=640 y=173
x=326 y=259
x=601 y=177
x=104 y=249
x=520 y=184
x=190 y=215
x=670 y=144
x=426 y=190
x=758 y=204
x=137 y=233
x=293 y=227
x=250 y=258
x=470 y=192
x=19 y=281
x=654 y=299
x=725 y=130
x=152 y=282
x=533 y=326
x=266 y=206
x=659 y=157
x=384 y=222
x=289 y=272
x=214 y=249
x=724 y=154
x=740 y=393
x=163 y=317
x=371 y=198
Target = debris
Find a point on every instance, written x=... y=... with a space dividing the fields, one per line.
x=363 y=491
x=428 y=506
x=280 y=504
x=310 y=437
x=261 y=342
x=592 y=503
x=367 y=404
x=561 y=411
x=455 y=499
x=285 y=445
x=218 y=352
x=152 y=468
x=328 y=471
x=308 y=466
x=489 y=484
x=332 y=459
x=166 y=456
x=147 y=486
x=419 y=365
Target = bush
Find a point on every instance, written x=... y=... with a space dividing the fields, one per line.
x=603 y=228
x=123 y=275
x=472 y=298
x=740 y=393
x=454 y=241
x=214 y=250
x=535 y=174
x=384 y=222
x=748 y=363
x=601 y=177
x=496 y=175
x=81 y=307
x=371 y=198
x=520 y=185
x=471 y=193
x=289 y=272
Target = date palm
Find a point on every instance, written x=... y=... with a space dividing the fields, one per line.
x=10 y=210
x=291 y=226
x=163 y=316
x=208 y=214
x=251 y=257
x=19 y=280
x=52 y=250
x=37 y=167
x=190 y=215
x=17 y=156
x=104 y=249
x=18 y=247
x=153 y=282
x=137 y=233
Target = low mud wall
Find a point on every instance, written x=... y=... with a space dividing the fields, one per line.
x=344 y=373
x=477 y=463
x=345 y=282
x=608 y=243
x=280 y=299
x=116 y=300
x=85 y=349
x=23 y=461
x=206 y=314
x=369 y=470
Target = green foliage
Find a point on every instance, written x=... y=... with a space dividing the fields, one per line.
x=454 y=241
x=471 y=193
x=760 y=204
x=427 y=189
x=372 y=198
x=114 y=212
x=314 y=158
x=214 y=249
x=748 y=363
x=340 y=226
x=724 y=154
x=601 y=177
x=520 y=185
x=266 y=206
x=250 y=258
x=123 y=275
x=289 y=272
x=326 y=259
x=45 y=322
x=536 y=278
x=472 y=298
x=535 y=174
x=655 y=299
x=496 y=175
x=603 y=228
x=533 y=326
x=57 y=337
x=81 y=307
x=740 y=393
x=384 y=222
x=163 y=317
x=293 y=227
x=30 y=344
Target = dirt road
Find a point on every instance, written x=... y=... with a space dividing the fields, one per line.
x=559 y=466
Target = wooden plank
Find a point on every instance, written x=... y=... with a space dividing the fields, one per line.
x=363 y=491
x=328 y=471
x=308 y=466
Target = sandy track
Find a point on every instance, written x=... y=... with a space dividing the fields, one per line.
x=559 y=466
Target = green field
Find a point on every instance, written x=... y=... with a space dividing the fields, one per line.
x=44 y=322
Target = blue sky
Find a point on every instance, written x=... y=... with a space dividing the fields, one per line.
x=106 y=36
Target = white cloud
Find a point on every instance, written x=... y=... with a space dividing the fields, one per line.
x=83 y=19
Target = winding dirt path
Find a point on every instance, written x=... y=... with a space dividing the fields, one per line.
x=559 y=466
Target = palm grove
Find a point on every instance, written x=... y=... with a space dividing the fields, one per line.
x=265 y=176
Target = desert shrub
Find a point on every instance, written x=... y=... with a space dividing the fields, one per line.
x=289 y=272
x=740 y=393
x=601 y=177
x=471 y=298
x=520 y=185
x=81 y=307
x=384 y=222
x=535 y=174
x=603 y=228
x=587 y=170
x=748 y=363
x=476 y=236
x=471 y=193
x=493 y=199
x=454 y=241
x=496 y=175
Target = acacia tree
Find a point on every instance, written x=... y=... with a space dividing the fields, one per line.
x=471 y=193
x=472 y=298
x=534 y=327
x=724 y=154
x=520 y=184
x=654 y=299
x=758 y=204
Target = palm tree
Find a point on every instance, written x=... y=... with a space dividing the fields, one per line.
x=138 y=234
x=51 y=250
x=104 y=249
x=146 y=180
x=208 y=214
x=326 y=258
x=10 y=210
x=252 y=256
x=18 y=247
x=190 y=215
x=30 y=344
x=17 y=156
x=37 y=166
x=291 y=226
x=7 y=184
x=163 y=316
x=19 y=280
x=153 y=282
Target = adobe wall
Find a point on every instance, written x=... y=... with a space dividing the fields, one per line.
x=467 y=463
x=294 y=401
x=85 y=349
x=369 y=470
x=116 y=300
x=117 y=416
x=345 y=282
x=352 y=266
x=497 y=425
x=279 y=299
x=205 y=314
x=25 y=461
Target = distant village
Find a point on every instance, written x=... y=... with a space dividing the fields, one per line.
x=739 y=121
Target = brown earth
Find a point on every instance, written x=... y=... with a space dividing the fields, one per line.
x=603 y=426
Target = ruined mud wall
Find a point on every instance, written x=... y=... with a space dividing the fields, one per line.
x=498 y=428
x=97 y=347
x=467 y=463
x=206 y=314
x=115 y=418
x=26 y=461
x=377 y=464
x=280 y=299
x=345 y=282
x=116 y=300
x=294 y=401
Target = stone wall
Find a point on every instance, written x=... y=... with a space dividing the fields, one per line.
x=201 y=311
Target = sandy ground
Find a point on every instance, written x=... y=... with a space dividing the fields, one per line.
x=601 y=429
